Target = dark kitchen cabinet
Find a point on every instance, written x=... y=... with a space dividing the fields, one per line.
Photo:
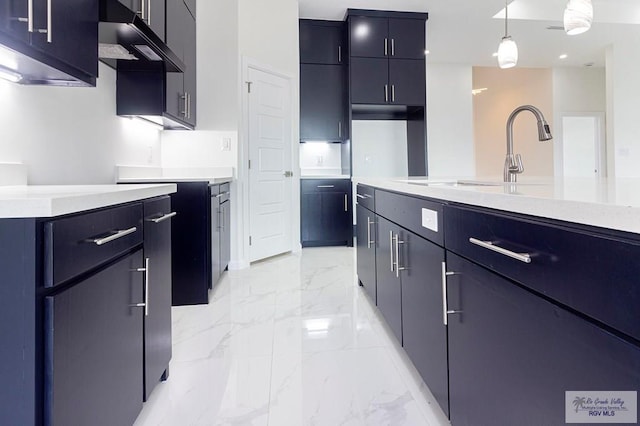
x=382 y=37
x=388 y=287
x=58 y=42
x=387 y=81
x=220 y=230
x=323 y=103
x=366 y=250
x=325 y=212
x=524 y=352
x=94 y=348
x=322 y=42
x=181 y=38
x=157 y=314
x=151 y=11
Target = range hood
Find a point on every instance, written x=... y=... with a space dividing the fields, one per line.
x=125 y=38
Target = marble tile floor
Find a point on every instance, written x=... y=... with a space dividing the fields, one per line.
x=291 y=341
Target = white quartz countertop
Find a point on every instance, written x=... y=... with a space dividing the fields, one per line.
x=143 y=174
x=212 y=180
x=606 y=203
x=22 y=201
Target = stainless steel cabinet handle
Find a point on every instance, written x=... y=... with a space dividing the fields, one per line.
x=445 y=309
x=369 y=223
x=163 y=218
x=391 y=249
x=386 y=93
x=146 y=287
x=47 y=30
x=222 y=194
x=393 y=93
x=398 y=267
x=386 y=47
x=360 y=196
x=393 y=47
x=148 y=12
x=346 y=209
x=29 y=18
x=339 y=129
x=184 y=104
x=189 y=110
x=118 y=234
x=339 y=54
x=326 y=186
x=522 y=257
x=143 y=6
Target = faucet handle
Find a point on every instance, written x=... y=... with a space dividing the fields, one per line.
x=518 y=164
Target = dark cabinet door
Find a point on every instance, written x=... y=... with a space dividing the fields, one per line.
x=407 y=79
x=176 y=38
x=155 y=16
x=321 y=43
x=325 y=212
x=388 y=288
x=368 y=37
x=216 y=239
x=13 y=19
x=68 y=30
x=366 y=250
x=225 y=235
x=157 y=319
x=424 y=335
x=523 y=353
x=334 y=216
x=407 y=38
x=190 y=64
x=323 y=103
x=311 y=216
x=369 y=81
x=94 y=348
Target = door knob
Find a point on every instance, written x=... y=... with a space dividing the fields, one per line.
x=288 y=173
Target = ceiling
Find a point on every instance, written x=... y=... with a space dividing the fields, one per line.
x=469 y=31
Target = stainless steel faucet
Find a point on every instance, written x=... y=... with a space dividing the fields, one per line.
x=513 y=163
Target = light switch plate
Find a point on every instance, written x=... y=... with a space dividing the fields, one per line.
x=430 y=219
x=226 y=144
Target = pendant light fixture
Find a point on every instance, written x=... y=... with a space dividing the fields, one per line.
x=578 y=16
x=508 y=50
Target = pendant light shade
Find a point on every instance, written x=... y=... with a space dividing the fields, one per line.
x=578 y=16
x=508 y=50
x=507 y=53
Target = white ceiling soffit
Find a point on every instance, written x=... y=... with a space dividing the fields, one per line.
x=468 y=31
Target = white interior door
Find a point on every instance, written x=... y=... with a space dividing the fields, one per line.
x=582 y=145
x=269 y=102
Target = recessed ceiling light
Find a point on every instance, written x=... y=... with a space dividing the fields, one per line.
x=563 y=56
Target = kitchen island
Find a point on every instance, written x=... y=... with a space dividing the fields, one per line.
x=85 y=301
x=512 y=300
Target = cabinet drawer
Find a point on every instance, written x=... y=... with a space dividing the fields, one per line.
x=221 y=192
x=325 y=185
x=76 y=244
x=584 y=269
x=366 y=197
x=421 y=216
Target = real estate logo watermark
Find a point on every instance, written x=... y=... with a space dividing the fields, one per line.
x=601 y=407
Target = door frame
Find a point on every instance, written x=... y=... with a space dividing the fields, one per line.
x=242 y=184
x=601 y=142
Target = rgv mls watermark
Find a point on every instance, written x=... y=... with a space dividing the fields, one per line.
x=601 y=407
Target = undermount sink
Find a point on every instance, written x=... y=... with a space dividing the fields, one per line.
x=464 y=182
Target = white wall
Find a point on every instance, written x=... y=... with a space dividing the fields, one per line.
x=623 y=122
x=379 y=148
x=68 y=135
x=450 y=142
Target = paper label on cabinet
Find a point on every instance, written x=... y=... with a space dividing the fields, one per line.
x=601 y=407
x=430 y=219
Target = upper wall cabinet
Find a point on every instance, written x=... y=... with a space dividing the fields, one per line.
x=322 y=42
x=377 y=37
x=49 y=42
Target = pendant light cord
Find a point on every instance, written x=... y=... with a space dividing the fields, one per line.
x=506 y=17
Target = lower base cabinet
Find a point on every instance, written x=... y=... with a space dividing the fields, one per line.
x=366 y=250
x=325 y=212
x=94 y=348
x=513 y=355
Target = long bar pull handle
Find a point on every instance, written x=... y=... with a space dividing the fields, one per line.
x=398 y=267
x=49 y=22
x=346 y=203
x=386 y=47
x=393 y=93
x=522 y=257
x=148 y=12
x=391 y=249
x=326 y=186
x=445 y=308
x=189 y=105
x=143 y=5
x=362 y=197
x=146 y=287
x=339 y=129
x=184 y=104
x=393 y=47
x=163 y=218
x=369 y=241
x=118 y=234
x=29 y=18
x=386 y=93
x=339 y=54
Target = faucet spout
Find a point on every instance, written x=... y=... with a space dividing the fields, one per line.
x=513 y=162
